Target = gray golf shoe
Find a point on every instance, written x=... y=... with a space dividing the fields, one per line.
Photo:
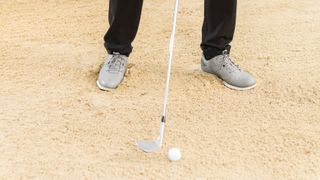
x=112 y=71
x=231 y=74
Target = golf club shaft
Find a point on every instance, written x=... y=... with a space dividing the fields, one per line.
x=151 y=146
x=171 y=46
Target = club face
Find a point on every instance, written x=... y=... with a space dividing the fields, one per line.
x=149 y=146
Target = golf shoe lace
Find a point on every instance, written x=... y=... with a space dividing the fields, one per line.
x=228 y=63
x=116 y=63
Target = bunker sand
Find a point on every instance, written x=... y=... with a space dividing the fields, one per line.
x=56 y=124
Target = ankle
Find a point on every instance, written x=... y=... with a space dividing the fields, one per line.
x=212 y=52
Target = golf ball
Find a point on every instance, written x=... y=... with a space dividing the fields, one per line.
x=174 y=154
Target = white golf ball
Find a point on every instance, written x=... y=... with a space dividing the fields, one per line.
x=174 y=154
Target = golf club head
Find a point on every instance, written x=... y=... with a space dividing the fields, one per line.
x=149 y=146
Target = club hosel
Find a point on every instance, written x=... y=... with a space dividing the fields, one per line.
x=163 y=119
x=162 y=131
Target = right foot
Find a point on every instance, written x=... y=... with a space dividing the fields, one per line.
x=233 y=77
x=112 y=71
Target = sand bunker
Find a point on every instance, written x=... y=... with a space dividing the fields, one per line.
x=56 y=124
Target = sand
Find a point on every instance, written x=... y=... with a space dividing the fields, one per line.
x=56 y=124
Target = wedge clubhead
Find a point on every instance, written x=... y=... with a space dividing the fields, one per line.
x=149 y=146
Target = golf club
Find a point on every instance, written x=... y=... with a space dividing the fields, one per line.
x=151 y=146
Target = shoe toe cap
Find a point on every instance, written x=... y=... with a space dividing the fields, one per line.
x=243 y=81
x=249 y=80
x=107 y=84
x=246 y=80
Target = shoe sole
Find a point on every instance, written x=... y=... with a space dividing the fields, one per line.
x=239 y=88
x=231 y=86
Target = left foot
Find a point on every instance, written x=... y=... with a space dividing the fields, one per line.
x=112 y=71
x=231 y=74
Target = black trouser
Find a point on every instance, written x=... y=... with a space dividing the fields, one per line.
x=217 y=31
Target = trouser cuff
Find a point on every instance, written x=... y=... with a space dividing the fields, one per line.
x=111 y=52
x=211 y=52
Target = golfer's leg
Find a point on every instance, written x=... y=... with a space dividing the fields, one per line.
x=218 y=29
x=124 y=18
x=218 y=26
